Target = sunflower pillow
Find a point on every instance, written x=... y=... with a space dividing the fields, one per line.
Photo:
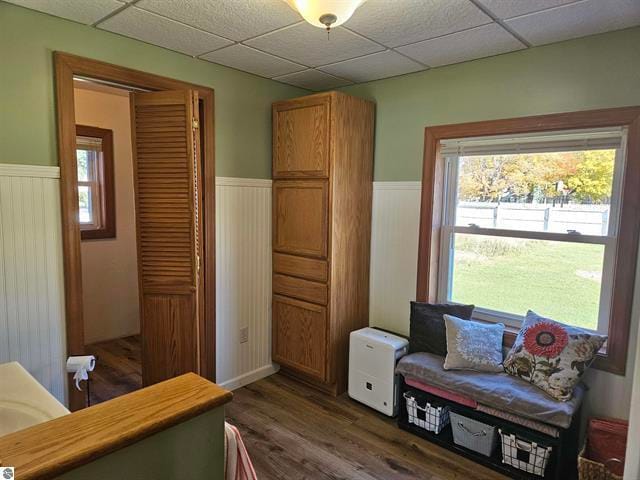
x=551 y=355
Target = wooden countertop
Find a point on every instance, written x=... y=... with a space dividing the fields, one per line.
x=49 y=449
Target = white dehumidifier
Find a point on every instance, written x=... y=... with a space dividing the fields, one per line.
x=373 y=355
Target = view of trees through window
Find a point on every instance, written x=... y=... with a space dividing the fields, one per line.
x=557 y=192
x=576 y=177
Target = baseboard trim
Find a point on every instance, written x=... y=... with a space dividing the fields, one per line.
x=250 y=377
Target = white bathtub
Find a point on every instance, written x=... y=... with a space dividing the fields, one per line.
x=23 y=401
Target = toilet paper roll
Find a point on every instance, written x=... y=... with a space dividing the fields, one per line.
x=80 y=366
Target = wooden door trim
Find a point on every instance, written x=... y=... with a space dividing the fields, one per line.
x=66 y=66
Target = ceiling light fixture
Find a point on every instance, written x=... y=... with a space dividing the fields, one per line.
x=326 y=13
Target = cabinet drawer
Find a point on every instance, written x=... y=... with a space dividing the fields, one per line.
x=308 y=268
x=301 y=138
x=300 y=336
x=300 y=217
x=299 y=288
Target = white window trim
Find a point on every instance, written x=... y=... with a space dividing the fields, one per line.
x=449 y=229
x=94 y=169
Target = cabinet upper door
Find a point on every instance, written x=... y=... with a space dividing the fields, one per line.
x=301 y=138
x=300 y=217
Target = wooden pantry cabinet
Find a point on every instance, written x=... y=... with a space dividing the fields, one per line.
x=322 y=188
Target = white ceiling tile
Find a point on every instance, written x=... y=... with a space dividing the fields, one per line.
x=373 y=67
x=576 y=20
x=82 y=11
x=161 y=31
x=462 y=46
x=234 y=19
x=303 y=43
x=313 y=80
x=407 y=21
x=253 y=61
x=512 y=8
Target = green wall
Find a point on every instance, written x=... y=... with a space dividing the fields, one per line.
x=27 y=116
x=594 y=72
x=191 y=450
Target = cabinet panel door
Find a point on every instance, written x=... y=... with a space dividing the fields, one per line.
x=300 y=217
x=301 y=138
x=301 y=267
x=300 y=288
x=300 y=336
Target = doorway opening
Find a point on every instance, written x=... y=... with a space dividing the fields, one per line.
x=137 y=192
x=106 y=200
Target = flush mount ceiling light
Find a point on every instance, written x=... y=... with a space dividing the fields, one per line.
x=325 y=13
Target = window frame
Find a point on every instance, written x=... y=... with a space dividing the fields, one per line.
x=94 y=185
x=101 y=188
x=450 y=228
x=614 y=359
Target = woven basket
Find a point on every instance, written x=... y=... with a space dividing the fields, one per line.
x=590 y=470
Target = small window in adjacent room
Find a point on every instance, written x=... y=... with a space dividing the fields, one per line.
x=94 y=157
x=531 y=222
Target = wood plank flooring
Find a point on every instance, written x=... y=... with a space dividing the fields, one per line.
x=118 y=368
x=293 y=432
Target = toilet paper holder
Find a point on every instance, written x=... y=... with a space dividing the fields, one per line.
x=80 y=366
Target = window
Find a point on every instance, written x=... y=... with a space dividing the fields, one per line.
x=94 y=158
x=535 y=213
x=528 y=222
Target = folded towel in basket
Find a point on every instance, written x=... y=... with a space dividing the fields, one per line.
x=442 y=393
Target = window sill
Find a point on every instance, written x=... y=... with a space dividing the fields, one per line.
x=98 y=234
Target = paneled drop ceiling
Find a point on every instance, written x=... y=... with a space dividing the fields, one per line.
x=384 y=38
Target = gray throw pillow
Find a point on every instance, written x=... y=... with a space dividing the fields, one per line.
x=473 y=345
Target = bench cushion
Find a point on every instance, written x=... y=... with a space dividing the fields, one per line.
x=497 y=390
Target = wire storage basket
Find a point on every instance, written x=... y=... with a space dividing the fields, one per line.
x=524 y=454
x=425 y=414
x=472 y=434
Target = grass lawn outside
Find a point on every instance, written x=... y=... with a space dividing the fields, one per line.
x=558 y=280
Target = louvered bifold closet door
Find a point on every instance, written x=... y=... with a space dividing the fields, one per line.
x=166 y=153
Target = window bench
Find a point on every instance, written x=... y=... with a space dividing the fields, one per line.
x=524 y=410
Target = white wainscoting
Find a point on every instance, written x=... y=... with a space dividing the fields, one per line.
x=394 y=253
x=243 y=270
x=243 y=280
x=31 y=274
x=32 y=288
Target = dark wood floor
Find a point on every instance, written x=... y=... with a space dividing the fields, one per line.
x=293 y=432
x=118 y=368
